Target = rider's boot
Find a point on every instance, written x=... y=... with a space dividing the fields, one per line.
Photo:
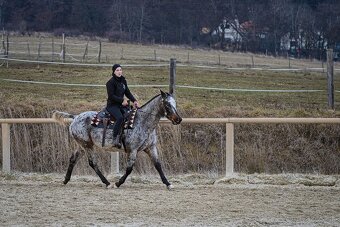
x=117 y=130
x=116 y=141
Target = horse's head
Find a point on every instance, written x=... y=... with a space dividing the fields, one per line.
x=169 y=105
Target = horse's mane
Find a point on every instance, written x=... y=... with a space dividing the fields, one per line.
x=149 y=101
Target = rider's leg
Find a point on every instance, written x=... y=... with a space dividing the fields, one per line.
x=115 y=111
x=116 y=132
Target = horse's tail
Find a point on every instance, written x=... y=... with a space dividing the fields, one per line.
x=62 y=118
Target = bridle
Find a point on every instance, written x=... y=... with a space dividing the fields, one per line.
x=164 y=107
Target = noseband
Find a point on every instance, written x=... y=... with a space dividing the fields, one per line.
x=165 y=107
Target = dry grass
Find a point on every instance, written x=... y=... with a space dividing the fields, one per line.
x=192 y=148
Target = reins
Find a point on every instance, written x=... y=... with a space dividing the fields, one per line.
x=150 y=113
x=146 y=112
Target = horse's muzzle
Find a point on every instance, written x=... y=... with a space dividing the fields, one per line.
x=176 y=121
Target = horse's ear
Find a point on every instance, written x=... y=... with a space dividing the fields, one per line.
x=163 y=94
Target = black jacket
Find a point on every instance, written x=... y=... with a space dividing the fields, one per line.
x=116 y=89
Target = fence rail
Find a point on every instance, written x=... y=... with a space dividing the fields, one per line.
x=6 y=60
x=229 y=168
x=63 y=50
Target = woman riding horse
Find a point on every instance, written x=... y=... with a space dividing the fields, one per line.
x=116 y=89
x=142 y=137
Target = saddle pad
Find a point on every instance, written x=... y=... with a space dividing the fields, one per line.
x=130 y=119
x=97 y=120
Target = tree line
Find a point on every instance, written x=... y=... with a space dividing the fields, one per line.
x=298 y=27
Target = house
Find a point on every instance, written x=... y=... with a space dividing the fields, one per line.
x=230 y=33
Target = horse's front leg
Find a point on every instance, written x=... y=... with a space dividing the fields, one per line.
x=130 y=164
x=153 y=154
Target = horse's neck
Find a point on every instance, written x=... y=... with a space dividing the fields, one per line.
x=151 y=113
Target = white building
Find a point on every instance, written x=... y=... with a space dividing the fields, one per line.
x=230 y=29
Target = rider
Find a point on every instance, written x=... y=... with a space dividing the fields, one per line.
x=116 y=89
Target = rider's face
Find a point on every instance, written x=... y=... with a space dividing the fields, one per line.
x=118 y=72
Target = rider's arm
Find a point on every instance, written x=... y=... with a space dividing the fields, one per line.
x=128 y=94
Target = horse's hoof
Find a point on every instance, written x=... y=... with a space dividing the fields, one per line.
x=170 y=187
x=111 y=186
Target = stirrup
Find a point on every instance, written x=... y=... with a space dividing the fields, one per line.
x=116 y=142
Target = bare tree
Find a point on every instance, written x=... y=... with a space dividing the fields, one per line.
x=142 y=19
x=2 y=3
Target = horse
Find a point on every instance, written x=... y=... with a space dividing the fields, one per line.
x=142 y=137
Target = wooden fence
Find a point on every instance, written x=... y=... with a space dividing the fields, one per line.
x=229 y=122
x=64 y=50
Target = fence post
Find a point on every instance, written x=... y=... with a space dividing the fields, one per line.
x=39 y=49
x=122 y=54
x=3 y=44
x=6 y=147
x=330 y=80
x=229 y=158
x=115 y=163
x=155 y=54
x=63 y=47
x=85 y=52
x=100 y=51
x=28 y=50
x=7 y=48
x=52 y=48
x=288 y=60
x=172 y=84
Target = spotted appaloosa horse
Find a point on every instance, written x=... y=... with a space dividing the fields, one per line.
x=141 y=138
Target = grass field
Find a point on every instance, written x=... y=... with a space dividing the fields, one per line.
x=223 y=103
x=259 y=148
x=28 y=47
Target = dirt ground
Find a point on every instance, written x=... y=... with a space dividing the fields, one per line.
x=196 y=200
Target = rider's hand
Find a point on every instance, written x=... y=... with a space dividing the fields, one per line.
x=125 y=103
x=136 y=104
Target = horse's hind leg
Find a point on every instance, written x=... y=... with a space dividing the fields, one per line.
x=93 y=163
x=73 y=160
x=131 y=162
x=153 y=154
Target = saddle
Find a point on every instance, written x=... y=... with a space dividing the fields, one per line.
x=103 y=119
